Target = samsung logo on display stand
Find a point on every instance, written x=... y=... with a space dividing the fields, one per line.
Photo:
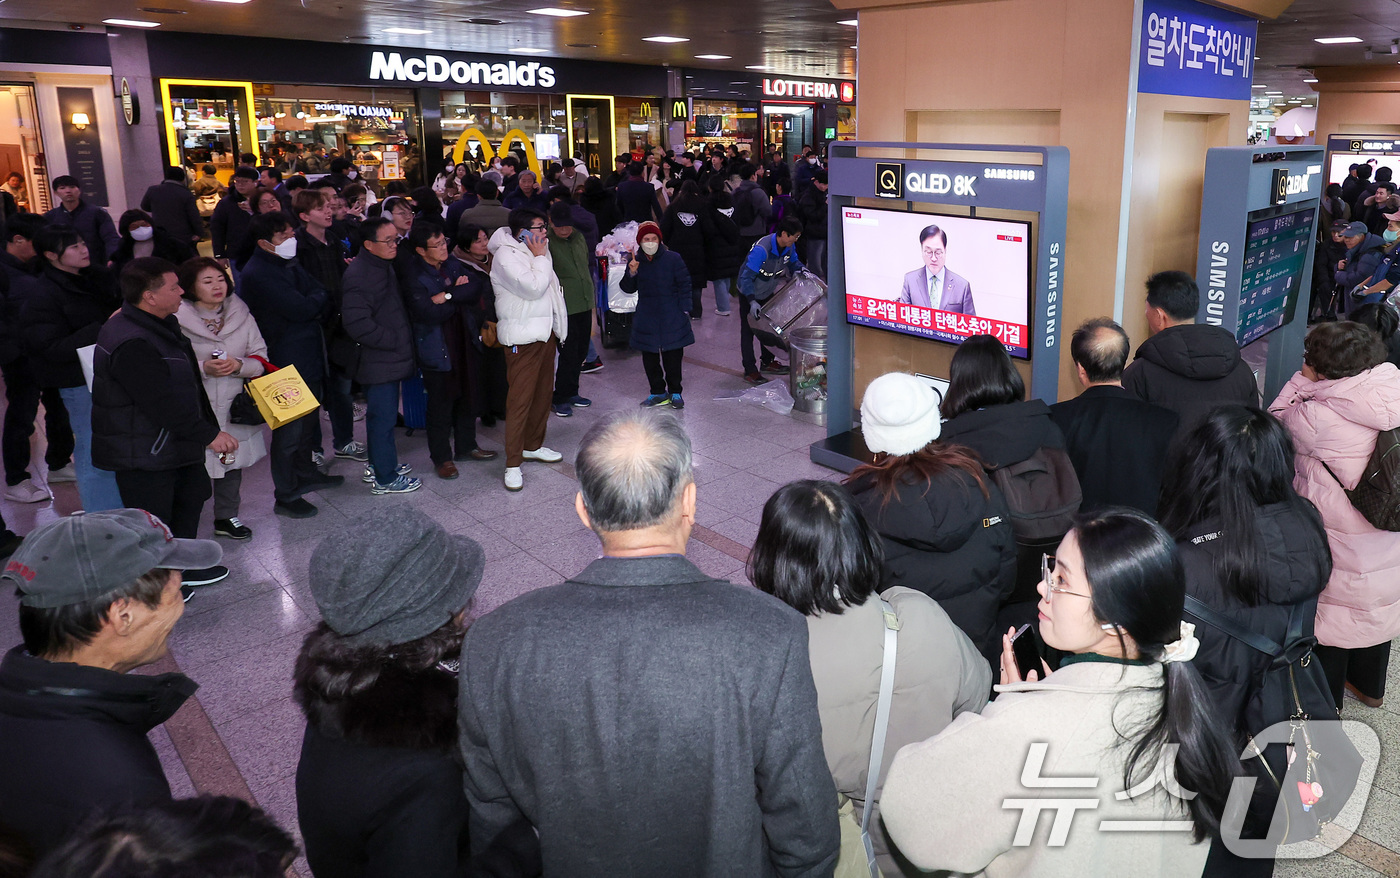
x=393 y=67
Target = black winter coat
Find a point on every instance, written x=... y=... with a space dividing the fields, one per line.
x=75 y=742
x=1005 y=434
x=379 y=787
x=149 y=408
x=636 y=199
x=812 y=210
x=1118 y=445
x=228 y=227
x=65 y=314
x=172 y=207
x=373 y=314
x=166 y=247
x=19 y=281
x=429 y=318
x=288 y=305
x=726 y=251
x=1191 y=369
x=685 y=228
x=949 y=541
x=662 y=285
x=603 y=206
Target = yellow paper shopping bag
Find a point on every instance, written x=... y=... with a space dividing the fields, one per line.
x=282 y=396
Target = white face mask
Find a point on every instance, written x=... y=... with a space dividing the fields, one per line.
x=353 y=174
x=650 y=247
x=142 y=233
x=287 y=249
x=811 y=160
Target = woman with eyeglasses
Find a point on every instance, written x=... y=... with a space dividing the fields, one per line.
x=1254 y=552
x=1126 y=713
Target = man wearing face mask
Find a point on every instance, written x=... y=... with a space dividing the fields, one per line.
x=288 y=305
x=806 y=164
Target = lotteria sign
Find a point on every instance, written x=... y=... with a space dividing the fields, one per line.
x=845 y=92
x=396 y=67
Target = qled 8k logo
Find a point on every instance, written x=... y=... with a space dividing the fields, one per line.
x=889 y=179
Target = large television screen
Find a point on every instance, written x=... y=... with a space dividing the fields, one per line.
x=1275 y=252
x=938 y=277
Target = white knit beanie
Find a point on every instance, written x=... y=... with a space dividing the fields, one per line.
x=899 y=414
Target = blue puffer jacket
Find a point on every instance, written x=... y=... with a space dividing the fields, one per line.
x=428 y=318
x=662 y=285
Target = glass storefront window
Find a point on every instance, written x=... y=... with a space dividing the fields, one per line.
x=21 y=152
x=371 y=127
x=494 y=115
x=725 y=123
x=640 y=120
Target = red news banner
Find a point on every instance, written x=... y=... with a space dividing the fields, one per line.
x=931 y=323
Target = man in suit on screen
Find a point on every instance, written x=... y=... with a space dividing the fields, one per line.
x=932 y=285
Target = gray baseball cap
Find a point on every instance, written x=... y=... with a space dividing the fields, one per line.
x=1356 y=230
x=88 y=555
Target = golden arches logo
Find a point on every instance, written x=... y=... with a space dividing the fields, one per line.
x=459 y=150
x=644 y=110
x=679 y=111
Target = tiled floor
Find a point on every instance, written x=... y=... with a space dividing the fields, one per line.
x=241 y=734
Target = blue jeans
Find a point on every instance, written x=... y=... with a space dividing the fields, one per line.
x=96 y=487
x=381 y=415
x=722 y=302
x=592 y=351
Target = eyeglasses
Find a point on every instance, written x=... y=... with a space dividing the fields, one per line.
x=392 y=242
x=538 y=228
x=1052 y=580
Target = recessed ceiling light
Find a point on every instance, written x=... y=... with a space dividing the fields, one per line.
x=414 y=32
x=1332 y=41
x=1310 y=80
x=855 y=47
x=128 y=22
x=714 y=57
x=666 y=39
x=850 y=22
x=228 y=1
x=1273 y=93
x=582 y=45
x=159 y=10
x=556 y=12
x=532 y=51
x=1258 y=86
x=486 y=21
x=758 y=67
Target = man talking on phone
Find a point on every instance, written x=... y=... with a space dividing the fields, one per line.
x=532 y=321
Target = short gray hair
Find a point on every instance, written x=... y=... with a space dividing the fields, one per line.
x=632 y=468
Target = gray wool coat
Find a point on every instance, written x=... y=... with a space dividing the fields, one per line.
x=646 y=719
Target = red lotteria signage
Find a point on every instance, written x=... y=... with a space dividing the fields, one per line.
x=801 y=88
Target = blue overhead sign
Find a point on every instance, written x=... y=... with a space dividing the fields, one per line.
x=1195 y=50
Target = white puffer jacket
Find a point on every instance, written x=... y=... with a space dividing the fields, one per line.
x=529 y=300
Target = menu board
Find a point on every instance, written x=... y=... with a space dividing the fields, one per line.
x=1276 y=251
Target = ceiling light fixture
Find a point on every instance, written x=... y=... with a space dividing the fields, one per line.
x=408 y=31
x=714 y=57
x=850 y=22
x=129 y=22
x=486 y=21
x=1258 y=86
x=758 y=67
x=1334 y=41
x=1310 y=80
x=666 y=39
x=228 y=1
x=556 y=12
x=1271 y=93
x=532 y=51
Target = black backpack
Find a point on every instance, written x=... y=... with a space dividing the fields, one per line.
x=1377 y=495
x=1292 y=689
x=1042 y=493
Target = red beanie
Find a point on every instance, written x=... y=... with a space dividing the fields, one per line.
x=648 y=228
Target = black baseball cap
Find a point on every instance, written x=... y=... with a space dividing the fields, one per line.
x=87 y=555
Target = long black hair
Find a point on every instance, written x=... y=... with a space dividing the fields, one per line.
x=1237 y=460
x=815 y=550
x=1139 y=585
x=981 y=375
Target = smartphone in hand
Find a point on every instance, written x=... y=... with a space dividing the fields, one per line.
x=1025 y=646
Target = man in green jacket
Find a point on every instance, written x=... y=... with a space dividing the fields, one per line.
x=570 y=254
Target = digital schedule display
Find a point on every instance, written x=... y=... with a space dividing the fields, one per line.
x=1276 y=250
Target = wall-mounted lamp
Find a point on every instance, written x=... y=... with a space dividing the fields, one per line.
x=80 y=121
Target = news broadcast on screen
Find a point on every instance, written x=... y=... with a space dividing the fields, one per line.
x=939 y=277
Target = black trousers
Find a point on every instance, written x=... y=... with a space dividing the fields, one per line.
x=571 y=356
x=663 y=370
x=747 y=339
x=697 y=307
x=1363 y=668
x=22 y=395
x=175 y=496
x=450 y=419
x=290 y=454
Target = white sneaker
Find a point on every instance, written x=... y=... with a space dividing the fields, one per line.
x=404 y=469
x=319 y=459
x=544 y=455
x=514 y=480
x=66 y=474
x=27 y=492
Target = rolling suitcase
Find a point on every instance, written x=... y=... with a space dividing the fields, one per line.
x=413 y=403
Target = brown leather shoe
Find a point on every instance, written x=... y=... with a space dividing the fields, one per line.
x=477 y=454
x=447 y=470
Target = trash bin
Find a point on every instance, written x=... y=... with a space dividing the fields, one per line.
x=807 y=380
x=798 y=303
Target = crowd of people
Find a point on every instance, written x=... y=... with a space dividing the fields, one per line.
x=482 y=286
x=758 y=730
x=643 y=717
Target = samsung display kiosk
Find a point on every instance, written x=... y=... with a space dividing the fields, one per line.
x=1259 y=215
x=939 y=242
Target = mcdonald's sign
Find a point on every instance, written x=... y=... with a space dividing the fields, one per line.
x=645 y=110
x=680 y=110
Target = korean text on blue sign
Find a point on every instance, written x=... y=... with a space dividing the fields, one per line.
x=1192 y=49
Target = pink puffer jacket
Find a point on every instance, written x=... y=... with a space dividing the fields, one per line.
x=1337 y=421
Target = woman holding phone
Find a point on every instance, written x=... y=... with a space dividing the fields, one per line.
x=1126 y=713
